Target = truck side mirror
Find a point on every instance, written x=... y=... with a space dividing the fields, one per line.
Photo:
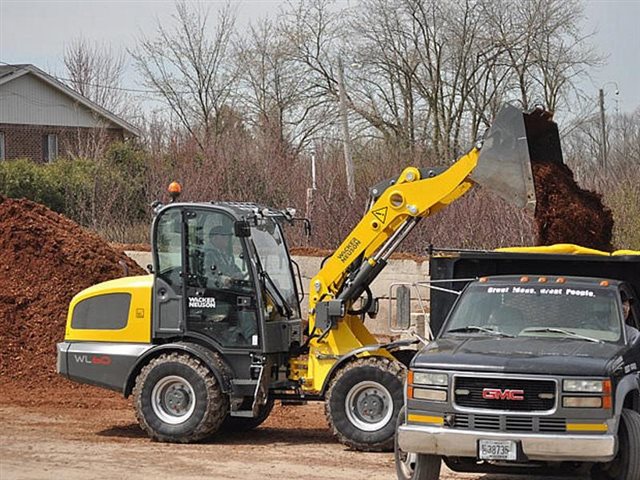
x=241 y=228
x=403 y=307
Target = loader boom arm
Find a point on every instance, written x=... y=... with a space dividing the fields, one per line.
x=387 y=222
x=502 y=165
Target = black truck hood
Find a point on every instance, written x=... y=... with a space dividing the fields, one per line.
x=555 y=356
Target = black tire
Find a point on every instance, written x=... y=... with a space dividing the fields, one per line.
x=626 y=465
x=243 y=424
x=415 y=466
x=375 y=384
x=173 y=383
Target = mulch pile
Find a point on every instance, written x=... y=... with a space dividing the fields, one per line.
x=565 y=213
x=45 y=259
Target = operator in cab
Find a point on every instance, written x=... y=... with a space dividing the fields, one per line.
x=220 y=260
x=631 y=331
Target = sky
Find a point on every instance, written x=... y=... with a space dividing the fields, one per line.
x=36 y=32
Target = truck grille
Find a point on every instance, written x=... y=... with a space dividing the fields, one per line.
x=468 y=393
x=506 y=423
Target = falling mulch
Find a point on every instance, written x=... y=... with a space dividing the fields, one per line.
x=45 y=259
x=566 y=213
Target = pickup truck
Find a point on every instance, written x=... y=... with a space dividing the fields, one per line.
x=531 y=372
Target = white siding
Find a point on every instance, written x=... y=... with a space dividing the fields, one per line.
x=30 y=101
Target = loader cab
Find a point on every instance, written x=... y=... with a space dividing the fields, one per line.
x=223 y=275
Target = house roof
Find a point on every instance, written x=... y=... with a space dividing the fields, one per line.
x=9 y=73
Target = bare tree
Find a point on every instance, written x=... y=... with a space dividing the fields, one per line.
x=188 y=65
x=382 y=77
x=95 y=71
x=543 y=47
x=276 y=96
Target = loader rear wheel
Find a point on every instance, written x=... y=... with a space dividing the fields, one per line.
x=177 y=399
x=363 y=402
x=243 y=424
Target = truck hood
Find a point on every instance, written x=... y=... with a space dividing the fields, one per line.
x=555 y=356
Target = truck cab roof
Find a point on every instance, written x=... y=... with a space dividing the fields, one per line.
x=549 y=280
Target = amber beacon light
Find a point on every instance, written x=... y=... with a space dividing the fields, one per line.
x=174 y=190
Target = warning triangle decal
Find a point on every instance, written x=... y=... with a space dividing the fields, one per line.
x=381 y=214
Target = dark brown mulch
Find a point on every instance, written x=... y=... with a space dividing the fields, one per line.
x=566 y=213
x=45 y=259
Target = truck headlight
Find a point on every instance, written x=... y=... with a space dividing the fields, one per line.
x=582 y=402
x=602 y=390
x=583 y=386
x=430 y=394
x=426 y=378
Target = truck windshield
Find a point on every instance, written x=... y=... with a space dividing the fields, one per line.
x=579 y=312
x=274 y=259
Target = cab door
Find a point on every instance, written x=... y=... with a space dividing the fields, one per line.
x=168 y=287
x=220 y=292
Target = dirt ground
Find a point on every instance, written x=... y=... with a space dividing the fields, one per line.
x=85 y=432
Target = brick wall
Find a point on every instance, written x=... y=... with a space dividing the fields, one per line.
x=27 y=141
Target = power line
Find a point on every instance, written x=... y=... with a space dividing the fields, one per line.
x=110 y=87
x=98 y=85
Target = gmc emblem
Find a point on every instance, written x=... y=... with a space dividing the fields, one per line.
x=497 y=394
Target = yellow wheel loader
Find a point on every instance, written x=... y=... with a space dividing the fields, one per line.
x=215 y=334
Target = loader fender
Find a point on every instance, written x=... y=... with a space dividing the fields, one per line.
x=353 y=354
x=218 y=367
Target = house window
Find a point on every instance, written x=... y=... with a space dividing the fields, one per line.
x=50 y=147
x=2 y=146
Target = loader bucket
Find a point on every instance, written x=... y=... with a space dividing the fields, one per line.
x=504 y=164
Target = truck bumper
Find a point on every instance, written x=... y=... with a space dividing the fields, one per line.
x=436 y=440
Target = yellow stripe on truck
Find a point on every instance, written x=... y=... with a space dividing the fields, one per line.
x=587 y=427
x=415 y=417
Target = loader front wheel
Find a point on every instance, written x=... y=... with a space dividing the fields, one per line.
x=363 y=402
x=177 y=399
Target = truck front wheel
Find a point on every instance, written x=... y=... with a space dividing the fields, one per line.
x=177 y=399
x=626 y=465
x=363 y=402
x=415 y=466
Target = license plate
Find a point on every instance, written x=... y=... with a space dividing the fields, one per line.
x=497 y=450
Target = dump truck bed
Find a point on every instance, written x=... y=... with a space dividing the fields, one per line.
x=448 y=264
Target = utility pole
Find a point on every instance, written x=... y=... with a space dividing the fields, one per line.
x=603 y=130
x=313 y=188
x=346 y=139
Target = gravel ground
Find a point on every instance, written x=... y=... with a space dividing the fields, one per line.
x=89 y=433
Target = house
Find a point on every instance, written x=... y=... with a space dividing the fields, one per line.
x=41 y=118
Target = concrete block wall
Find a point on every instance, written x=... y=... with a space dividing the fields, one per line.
x=396 y=271
x=406 y=271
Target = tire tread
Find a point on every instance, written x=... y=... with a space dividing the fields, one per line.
x=381 y=363
x=217 y=404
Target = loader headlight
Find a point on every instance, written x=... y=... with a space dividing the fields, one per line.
x=427 y=378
